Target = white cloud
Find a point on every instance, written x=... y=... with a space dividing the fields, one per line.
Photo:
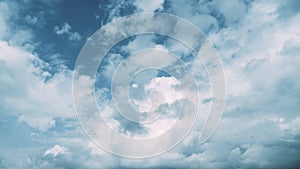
x=233 y=11
x=67 y=29
x=27 y=94
x=139 y=43
x=10 y=31
x=134 y=85
x=21 y=38
x=56 y=150
x=260 y=128
x=115 y=9
x=191 y=11
x=166 y=85
x=147 y=6
x=75 y=36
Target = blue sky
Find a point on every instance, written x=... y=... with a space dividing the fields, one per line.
x=258 y=42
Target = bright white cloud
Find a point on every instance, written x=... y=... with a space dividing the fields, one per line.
x=166 y=85
x=27 y=94
x=56 y=150
x=147 y=6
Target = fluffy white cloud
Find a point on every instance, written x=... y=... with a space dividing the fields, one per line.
x=32 y=93
x=165 y=85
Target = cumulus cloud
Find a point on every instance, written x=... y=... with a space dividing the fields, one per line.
x=66 y=29
x=30 y=92
x=258 y=123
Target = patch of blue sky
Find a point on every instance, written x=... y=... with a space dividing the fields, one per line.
x=42 y=17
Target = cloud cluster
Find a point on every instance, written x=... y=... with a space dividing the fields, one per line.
x=258 y=42
x=25 y=80
x=66 y=29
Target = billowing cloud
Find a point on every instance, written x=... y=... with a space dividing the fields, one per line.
x=25 y=80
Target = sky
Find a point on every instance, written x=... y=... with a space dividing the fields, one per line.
x=258 y=46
